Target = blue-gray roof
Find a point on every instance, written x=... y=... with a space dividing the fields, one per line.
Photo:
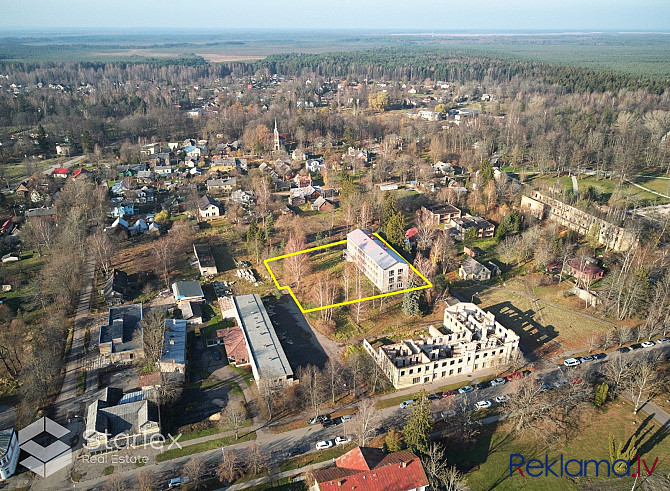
x=375 y=249
x=175 y=341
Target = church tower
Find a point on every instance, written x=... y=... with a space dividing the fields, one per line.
x=277 y=143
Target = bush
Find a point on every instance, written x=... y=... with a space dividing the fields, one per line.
x=108 y=470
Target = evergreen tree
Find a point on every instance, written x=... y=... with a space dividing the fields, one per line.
x=252 y=231
x=470 y=236
x=42 y=140
x=486 y=170
x=601 y=394
x=269 y=226
x=418 y=427
x=410 y=300
x=395 y=231
x=86 y=142
x=393 y=441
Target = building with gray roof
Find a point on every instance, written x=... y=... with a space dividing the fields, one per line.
x=110 y=427
x=385 y=268
x=121 y=338
x=174 y=350
x=187 y=290
x=266 y=355
x=9 y=453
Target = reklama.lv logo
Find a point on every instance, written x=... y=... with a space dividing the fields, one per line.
x=577 y=467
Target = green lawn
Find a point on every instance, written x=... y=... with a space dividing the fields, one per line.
x=314 y=458
x=175 y=453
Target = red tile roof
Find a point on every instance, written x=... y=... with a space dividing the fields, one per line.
x=60 y=170
x=79 y=172
x=233 y=341
x=152 y=379
x=370 y=469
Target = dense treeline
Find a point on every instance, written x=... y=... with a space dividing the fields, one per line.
x=418 y=64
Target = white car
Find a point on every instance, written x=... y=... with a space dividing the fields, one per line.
x=347 y=417
x=324 y=444
x=571 y=362
x=502 y=399
x=498 y=381
x=406 y=404
x=483 y=404
x=341 y=440
x=648 y=344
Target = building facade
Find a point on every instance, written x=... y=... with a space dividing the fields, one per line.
x=610 y=235
x=9 y=453
x=386 y=269
x=439 y=214
x=470 y=340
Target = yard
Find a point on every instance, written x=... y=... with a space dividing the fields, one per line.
x=494 y=446
x=551 y=322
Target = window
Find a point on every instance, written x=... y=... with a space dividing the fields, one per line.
x=402 y=373
x=451 y=372
x=459 y=370
x=444 y=374
x=411 y=371
x=416 y=380
x=451 y=362
x=444 y=363
x=418 y=370
x=399 y=285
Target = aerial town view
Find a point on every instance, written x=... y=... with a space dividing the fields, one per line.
x=295 y=246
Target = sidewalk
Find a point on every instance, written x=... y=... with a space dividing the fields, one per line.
x=658 y=413
x=277 y=477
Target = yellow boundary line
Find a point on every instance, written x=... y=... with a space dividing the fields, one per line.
x=339 y=242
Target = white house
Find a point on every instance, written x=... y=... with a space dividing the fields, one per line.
x=208 y=208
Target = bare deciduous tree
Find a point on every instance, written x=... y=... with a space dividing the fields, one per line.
x=153 y=335
x=194 y=469
x=146 y=481
x=233 y=416
x=103 y=248
x=641 y=381
x=364 y=428
x=333 y=374
x=312 y=387
x=230 y=467
x=440 y=474
x=256 y=459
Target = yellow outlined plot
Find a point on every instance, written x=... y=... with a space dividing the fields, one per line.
x=333 y=244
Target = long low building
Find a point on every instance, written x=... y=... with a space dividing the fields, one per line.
x=266 y=355
x=470 y=340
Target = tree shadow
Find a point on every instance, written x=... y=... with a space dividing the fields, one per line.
x=533 y=334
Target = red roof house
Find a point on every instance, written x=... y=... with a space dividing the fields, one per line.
x=371 y=469
x=236 y=347
x=411 y=235
x=80 y=173
x=585 y=271
x=61 y=172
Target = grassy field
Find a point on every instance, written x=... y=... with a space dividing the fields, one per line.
x=538 y=324
x=175 y=453
x=494 y=446
x=314 y=458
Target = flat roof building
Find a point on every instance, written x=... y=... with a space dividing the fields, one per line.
x=385 y=268
x=266 y=355
x=187 y=291
x=174 y=350
x=118 y=339
x=470 y=340
x=206 y=263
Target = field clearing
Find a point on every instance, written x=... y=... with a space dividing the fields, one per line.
x=537 y=326
x=605 y=187
x=494 y=447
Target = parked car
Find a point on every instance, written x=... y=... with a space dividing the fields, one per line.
x=636 y=346
x=483 y=385
x=624 y=350
x=432 y=397
x=319 y=419
x=324 y=444
x=406 y=404
x=466 y=389
x=502 y=399
x=584 y=359
x=514 y=376
x=178 y=481
x=664 y=340
x=347 y=417
x=498 y=381
x=341 y=440
x=328 y=422
x=648 y=344
x=294 y=452
x=600 y=356
x=448 y=414
x=571 y=362
x=483 y=404
x=448 y=393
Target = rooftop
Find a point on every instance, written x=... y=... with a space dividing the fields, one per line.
x=187 y=289
x=5 y=440
x=122 y=322
x=204 y=255
x=442 y=209
x=375 y=249
x=175 y=342
x=263 y=344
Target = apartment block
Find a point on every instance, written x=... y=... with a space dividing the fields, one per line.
x=386 y=269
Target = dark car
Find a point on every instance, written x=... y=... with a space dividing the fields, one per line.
x=525 y=373
x=294 y=452
x=319 y=419
x=483 y=385
x=336 y=421
x=600 y=356
x=327 y=422
x=432 y=397
x=623 y=350
x=636 y=346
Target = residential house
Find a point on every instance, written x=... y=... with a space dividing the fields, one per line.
x=299 y=154
x=302 y=181
x=437 y=215
x=443 y=167
x=322 y=204
x=428 y=115
x=236 y=348
x=388 y=186
x=120 y=188
x=121 y=210
x=45 y=211
x=150 y=149
x=173 y=359
x=385 y=268
x=9 y=453
x=586 y=270
x=313 y=165
x=81 y=174
x=145 y=195
x=208 y=208
x=470 y=340
x=300 y=196
x=191 y=312
x=242 y=197
x=120 y=339
x=472 y=251
x=219 y=186
x=185 y=291
x=22 y=190
x=63 y=149
x=60 y=172
x=163 y=170
x=227 y=165
x=471 y=269
x=205 y=260
x=485 y=229
x=110 y=425
x=116 y=287
x=609 y=234
x=369 y=468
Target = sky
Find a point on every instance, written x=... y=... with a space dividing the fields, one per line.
x=397 y=15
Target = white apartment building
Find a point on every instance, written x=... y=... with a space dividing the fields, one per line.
x=470 y=340
x=9 y=453
x=386 y=269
